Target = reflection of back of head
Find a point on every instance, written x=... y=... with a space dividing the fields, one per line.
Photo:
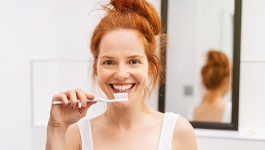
x=216 y=70
x=215 y=78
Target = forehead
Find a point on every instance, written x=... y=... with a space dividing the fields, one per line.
x=119 y=41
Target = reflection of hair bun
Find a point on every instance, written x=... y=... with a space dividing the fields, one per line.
x=216 y=69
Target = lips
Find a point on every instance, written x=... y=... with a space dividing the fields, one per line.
x=122 y=88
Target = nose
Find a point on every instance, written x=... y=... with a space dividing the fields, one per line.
x=121 y=72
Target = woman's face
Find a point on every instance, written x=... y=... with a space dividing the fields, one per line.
x=122 y=64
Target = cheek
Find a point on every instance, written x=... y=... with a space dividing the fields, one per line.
x=143 y=76
x=103 y=75
x=102 y=79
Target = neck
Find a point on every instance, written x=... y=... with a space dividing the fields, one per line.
x=213 y=96
x=126 y=117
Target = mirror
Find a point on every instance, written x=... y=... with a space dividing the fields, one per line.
x=193 y=28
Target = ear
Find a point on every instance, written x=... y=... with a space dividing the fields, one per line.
x=95 y=69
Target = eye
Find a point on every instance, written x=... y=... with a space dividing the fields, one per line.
x=108 y=62
x=134 y=61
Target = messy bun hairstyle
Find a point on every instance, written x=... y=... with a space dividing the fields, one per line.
x=138 y=15
x=216 y=69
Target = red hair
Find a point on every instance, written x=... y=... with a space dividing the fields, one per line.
x=216 y=69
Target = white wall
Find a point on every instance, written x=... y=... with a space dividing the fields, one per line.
x=35 y=30
x=59 y=30
x=37 y=37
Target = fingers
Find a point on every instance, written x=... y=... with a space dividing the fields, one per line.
x=70 y=106
x=74 y=98
x=61 y=97
x=82 y=97
x=87 y=105
x=83 y=110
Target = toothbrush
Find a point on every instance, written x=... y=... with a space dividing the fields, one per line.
x=119 y=97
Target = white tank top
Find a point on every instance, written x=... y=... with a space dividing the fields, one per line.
x=166 y=134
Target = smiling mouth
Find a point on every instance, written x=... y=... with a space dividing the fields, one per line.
x=122 y=88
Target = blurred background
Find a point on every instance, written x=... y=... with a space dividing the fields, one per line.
x=44 y=48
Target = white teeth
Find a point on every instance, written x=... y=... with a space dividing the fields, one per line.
x=122 y=88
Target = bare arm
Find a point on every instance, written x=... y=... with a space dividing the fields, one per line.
x=73 y=138
x=184 y=137
x=62 y=116
x=55 y=138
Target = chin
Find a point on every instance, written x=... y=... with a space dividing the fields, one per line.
x=122 y=104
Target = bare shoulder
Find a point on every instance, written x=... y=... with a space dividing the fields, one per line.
x=184 y=137
x=72 y=138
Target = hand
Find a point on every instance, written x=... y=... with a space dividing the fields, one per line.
x=69 y=113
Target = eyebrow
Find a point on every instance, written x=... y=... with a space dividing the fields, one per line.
x=131 y=56
x=106 y=57
x=136 y=56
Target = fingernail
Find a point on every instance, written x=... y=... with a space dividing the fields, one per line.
x=84 y=104
x=79 y=104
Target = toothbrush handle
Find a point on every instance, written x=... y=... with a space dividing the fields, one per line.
x=99 y=99
x=96 y=99
x=60 y=102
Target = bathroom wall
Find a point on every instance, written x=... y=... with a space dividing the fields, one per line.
x=57 y=32
x=44 y=49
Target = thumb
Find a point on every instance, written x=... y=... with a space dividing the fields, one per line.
x=83 y=110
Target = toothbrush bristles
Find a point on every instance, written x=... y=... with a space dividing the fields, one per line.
x=119 y=96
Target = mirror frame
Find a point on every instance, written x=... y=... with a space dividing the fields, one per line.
x=235 y=72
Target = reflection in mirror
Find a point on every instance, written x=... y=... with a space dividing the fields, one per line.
x=215 y=78
x=194 y=27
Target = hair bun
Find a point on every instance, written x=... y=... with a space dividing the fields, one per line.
x=127 y=5
x=216 y=69
x=216 y=58
x=140 y=7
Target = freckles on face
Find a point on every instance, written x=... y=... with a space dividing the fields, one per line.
x=122 y=62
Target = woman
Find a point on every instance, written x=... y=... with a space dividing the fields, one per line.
x=216 y=80
x=123 y=45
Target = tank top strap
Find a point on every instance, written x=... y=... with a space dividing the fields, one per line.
x=167 y=131
x=86 y=134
